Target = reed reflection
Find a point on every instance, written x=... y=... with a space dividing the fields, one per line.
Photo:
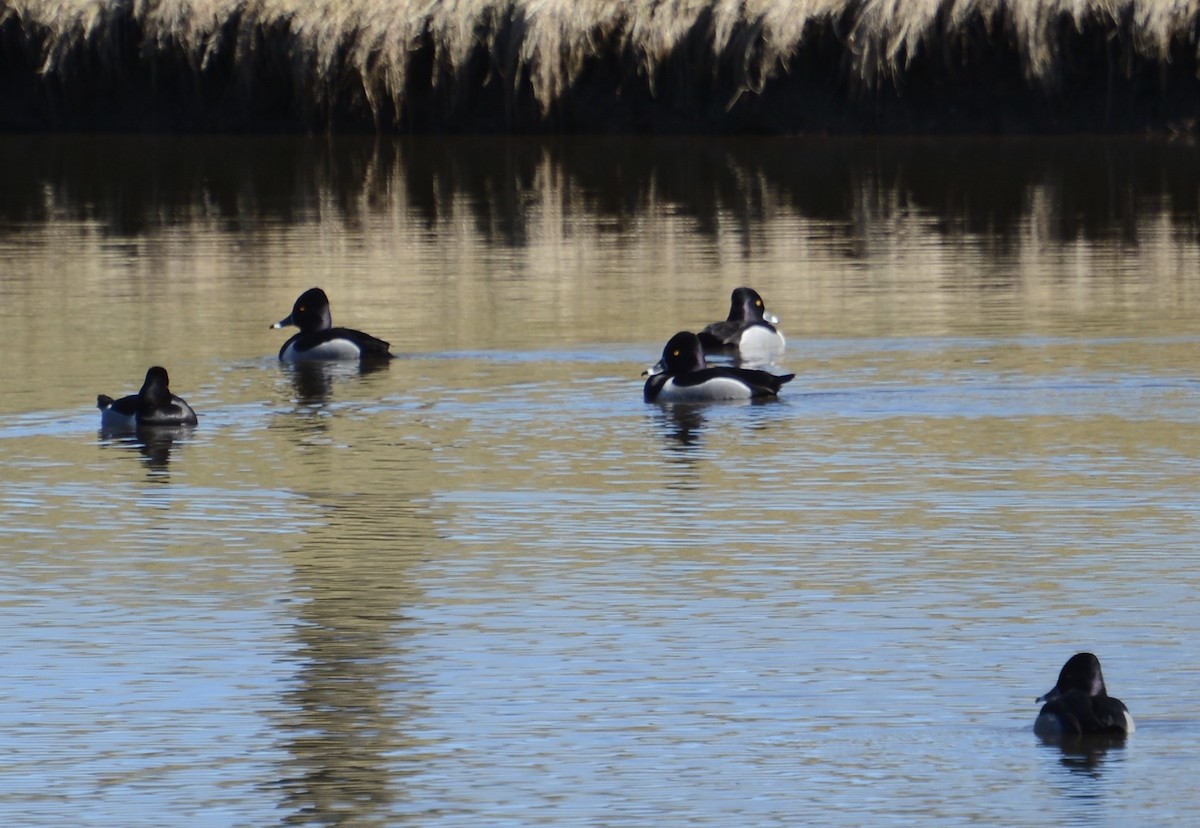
x=1068 y=189
x=1091 y=188
x=346 y=721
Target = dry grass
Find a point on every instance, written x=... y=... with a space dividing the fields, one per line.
x=569 y=64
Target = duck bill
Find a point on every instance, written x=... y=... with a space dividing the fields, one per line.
x=283 y=323
x=771 y=318
x=1049 y=696
x=656 y=368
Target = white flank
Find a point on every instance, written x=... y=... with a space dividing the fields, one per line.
x=334 y=349
x=760 y=345
x=115 y=420
x=720 y=388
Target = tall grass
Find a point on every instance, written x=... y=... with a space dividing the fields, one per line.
x=600 y=65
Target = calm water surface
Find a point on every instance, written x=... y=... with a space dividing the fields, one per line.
x=486 y=584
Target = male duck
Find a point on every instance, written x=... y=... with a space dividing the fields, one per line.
x=319 y=340
x=1079 y=705
x=684 y=376
x=154 y=405
x=749 y=332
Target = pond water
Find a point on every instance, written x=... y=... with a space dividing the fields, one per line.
x=487 y=584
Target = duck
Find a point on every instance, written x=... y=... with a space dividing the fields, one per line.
x=153 y=405
x=749 y=332
x=1079 y=704
x=683 y=375
x=319 y=340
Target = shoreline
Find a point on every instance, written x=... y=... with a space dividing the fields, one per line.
x=245 y=66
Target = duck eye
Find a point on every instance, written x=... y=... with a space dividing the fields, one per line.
x=675 y=352
x=303 y=308
x=758 y=303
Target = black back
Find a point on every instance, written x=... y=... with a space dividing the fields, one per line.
x=1080 y=700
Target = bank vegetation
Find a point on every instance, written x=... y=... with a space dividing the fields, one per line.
x=647 y=66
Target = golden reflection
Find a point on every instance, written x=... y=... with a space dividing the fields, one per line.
x=348 y=714
x=516 y=243
x=992 y=444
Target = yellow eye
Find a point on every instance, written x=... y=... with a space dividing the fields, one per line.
x=758 y=303
x=675 y=352
x=303 y=308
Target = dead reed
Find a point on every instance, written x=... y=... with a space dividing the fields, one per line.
x=600 y=65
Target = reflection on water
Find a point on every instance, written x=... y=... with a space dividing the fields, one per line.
x=682 y=424
x=1088 y=756
x=1088 y=779
x=485 y=583
x=314 y=381
x=856 y=188
x=343 y=724
x=153 y=444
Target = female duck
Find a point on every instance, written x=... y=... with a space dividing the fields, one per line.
x=749 y=332
x=684 y=376
x=1079 y=705
x=154 y=405
x=319 y=340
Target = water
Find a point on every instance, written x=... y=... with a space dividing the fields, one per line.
x=486 y=584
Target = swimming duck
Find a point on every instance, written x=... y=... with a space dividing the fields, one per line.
x=319 y=340
x=154 y=405
x=749 y=331
x=1079 y=704
x=683 y=376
